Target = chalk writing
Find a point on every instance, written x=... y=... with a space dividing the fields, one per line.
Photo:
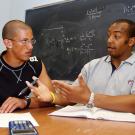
x=56 y=37
x=129 y=9
x=94 y=13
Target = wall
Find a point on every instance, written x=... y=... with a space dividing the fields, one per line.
x=5 y=8
x=15 y=9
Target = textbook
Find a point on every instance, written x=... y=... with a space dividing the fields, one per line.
x=93 y=113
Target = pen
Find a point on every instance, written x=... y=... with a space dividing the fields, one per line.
x=23 y=91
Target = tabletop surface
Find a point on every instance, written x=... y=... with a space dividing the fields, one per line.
x=52 y=125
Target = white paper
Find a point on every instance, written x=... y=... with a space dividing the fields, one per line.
x=94 y=113
x=6 y=117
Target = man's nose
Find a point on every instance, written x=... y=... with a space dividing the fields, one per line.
x=110 y=39
x=29 y=45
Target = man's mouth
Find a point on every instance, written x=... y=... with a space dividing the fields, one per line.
x=110 y=48
x=29 y=53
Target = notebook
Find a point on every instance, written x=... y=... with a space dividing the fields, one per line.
x=93 y=113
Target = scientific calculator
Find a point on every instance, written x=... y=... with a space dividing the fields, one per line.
x=22 y=127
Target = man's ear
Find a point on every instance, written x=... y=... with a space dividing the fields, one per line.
x=8 y=43
x=131 y=42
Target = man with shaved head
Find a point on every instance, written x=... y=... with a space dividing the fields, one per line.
x=17 y=66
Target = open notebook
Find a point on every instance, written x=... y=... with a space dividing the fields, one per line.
x=94 y=113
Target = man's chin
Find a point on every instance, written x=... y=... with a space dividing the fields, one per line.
x=114 y=56
x=26 y=58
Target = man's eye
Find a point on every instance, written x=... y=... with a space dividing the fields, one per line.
x=24 y=41
x=116 y=36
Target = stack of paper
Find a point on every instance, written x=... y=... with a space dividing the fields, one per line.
x=6 y=117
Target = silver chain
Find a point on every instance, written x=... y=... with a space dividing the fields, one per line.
x=13 y=71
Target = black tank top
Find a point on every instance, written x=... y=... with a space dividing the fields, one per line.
x=12 y=80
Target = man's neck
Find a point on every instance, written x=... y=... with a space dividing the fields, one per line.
x=12 y=61
x=117 y=61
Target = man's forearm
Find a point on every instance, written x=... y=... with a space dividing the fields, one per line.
x=124 y=103
x=60 y=100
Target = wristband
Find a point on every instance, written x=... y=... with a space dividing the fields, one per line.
x=53 y=97
x=90 y=103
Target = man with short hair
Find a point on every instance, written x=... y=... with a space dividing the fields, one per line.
x=17 y=66
x=107 y=82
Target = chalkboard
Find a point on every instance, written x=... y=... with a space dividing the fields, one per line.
x=69 y=34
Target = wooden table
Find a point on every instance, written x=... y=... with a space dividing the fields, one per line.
x=52 y=125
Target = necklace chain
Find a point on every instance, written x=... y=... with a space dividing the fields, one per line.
x=13 y=71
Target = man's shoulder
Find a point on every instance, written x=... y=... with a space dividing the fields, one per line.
x=34 y=59
x=36 y=64
x=94 y=61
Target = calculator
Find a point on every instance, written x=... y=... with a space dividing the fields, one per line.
x=22 y=127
